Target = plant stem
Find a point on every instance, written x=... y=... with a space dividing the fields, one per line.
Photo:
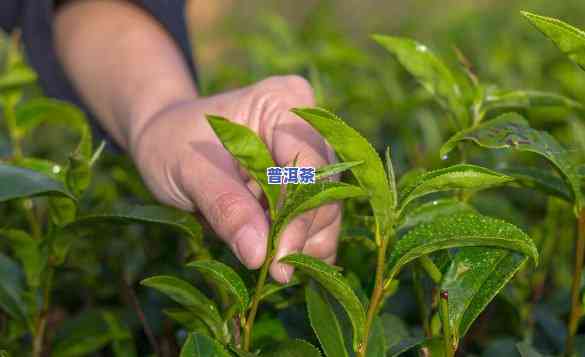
x=377 y=295
x=429 y=266
x=41 y=321
x=576 y=309
x=447 y=333
x=255 y=303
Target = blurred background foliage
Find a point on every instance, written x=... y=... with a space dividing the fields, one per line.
x=239 y=42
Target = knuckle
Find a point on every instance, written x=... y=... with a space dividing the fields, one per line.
x=229 y=211
x=292 y=85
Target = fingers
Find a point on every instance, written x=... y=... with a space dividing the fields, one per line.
x=235 y=214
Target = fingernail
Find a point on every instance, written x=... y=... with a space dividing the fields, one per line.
x=250 y=246
x=287 y=272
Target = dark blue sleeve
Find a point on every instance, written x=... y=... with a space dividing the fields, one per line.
x=35 y=17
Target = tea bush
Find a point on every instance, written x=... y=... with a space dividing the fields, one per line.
x=476 y=249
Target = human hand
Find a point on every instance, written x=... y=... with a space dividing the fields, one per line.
x=185 y=165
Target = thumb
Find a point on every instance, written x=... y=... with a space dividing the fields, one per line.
x=213 y=182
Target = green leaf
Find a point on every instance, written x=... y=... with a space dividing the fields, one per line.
x=461 y=230
x=226 y=278
x=524 y=99
x=376 y=340
x=189 y=297
x=391 y=179
x=17 y=76
x=189 y=320
x=308 y=197
x=462 y=176
x=123 y=343
x=337 y=286
x=127 y=214
x=430 y=71
x=45 y=167
x=395 y=330
x=271 y=289
x=511 y=131
x=570 y=40
x=526 y=350
x=84 y=335
x=12 y=290
x=198 y=345
x=475 y=277
x=429 y=211
x=351 y=146
x=324 y=322
x=405 y=345
x=250 y=152
x=16 y=182
x=334 y=169
x=293 y=348
x=30 y=253
x=540 y=180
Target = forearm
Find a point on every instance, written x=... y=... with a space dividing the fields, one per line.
x=122 y=62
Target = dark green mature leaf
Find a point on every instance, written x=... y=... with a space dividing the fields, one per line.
x=511 y=131
x=324 y=322
x=32 y=113
x=226 y=278
x=11 y=289
x=250 y=152
x=188 y=320
x=17 y=182
x=337 y=286
x=462 y=176
x=520 y=99
x=198 y=345
x=376 y=340
x=541 y=180
x=570 y=40
x=82 y=336
x=29 y=251
x=405 y=345
x=189 y=297
x=430 y=71
x=308 y=197
x=293 y=348
x=395 y=330
x=475 y=277
x=127 y=214
x=334 y=169
x=461 y=230
x=351 y=146
x=46 y=167
x=429 y=211
x=526 y=350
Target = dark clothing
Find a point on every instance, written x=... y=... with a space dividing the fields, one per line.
x=35 y=18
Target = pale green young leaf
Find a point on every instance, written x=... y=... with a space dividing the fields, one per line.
x=351 y=146
x=461 y=230
x=17 y=182
x=511 y=131
x=226 y=278
x=336 y=285
x=391 y=178
x=198 y=345
x=29 y=252
x=16 y=77
x=570 y=40
x=293 y=348
x=122 y=340
x=251 y=153
x=324 y=322
x=271 y=288
x=526 y=99
x=308 y=197
x=430 y=71
x=462 y=176
x=475 y=277
x=334 y=169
